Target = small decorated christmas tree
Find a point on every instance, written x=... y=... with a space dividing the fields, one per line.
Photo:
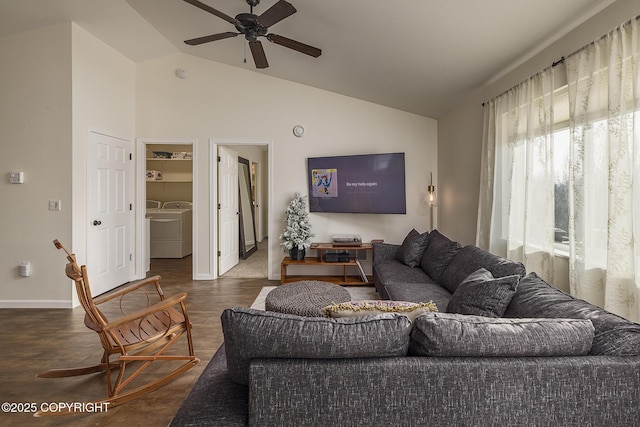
x=298 y=230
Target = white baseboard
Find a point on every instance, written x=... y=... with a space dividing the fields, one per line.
x=36 y=304
x=203 y=277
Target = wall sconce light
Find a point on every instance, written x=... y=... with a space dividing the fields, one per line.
x=431 y=200
x=431 y=192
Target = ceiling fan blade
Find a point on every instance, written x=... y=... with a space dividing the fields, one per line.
x=211 y=38
x=259 y=56
x=276 y=13
x=295 y=45
x=213 y=11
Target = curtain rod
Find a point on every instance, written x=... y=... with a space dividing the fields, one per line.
x=558 y=62
x=553 y=64
x=561 y=60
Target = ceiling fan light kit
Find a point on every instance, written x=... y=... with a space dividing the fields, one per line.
x=253 y=26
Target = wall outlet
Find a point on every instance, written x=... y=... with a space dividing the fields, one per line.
x=54 y=205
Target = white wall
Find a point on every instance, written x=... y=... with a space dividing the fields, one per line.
x=228 y=103
x=460 y=130
x=103 y=87
x=35 y=132
x=56 y=83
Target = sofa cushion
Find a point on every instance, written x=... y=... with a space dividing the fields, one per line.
x=438 y=254
x=614 y=335
x=370 y=307
x=250 y=334
x=412 y=248
x=394 y=271
x=483 y=295
x=417 y=292
x=469 y=259
x=447 y=334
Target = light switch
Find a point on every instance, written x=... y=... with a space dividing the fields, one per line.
x=54 y=205
x=16 y=177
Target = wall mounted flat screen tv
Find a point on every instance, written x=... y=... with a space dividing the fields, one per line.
x=367 y=183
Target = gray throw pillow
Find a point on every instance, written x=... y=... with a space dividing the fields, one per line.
x=412 y=248
x=469 y=259
x=439 y=253
x=446 y=334
x=481 y=294
x=251 y=334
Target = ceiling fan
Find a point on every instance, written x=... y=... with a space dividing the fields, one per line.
x=254 y=26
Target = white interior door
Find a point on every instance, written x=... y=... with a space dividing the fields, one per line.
x=228 y=212
x=109 y=211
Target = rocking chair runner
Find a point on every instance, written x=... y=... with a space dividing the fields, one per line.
x=143 y=336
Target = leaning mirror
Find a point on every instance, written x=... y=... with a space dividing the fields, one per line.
x=248 y=242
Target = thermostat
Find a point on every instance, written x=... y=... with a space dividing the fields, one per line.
x=16 y=177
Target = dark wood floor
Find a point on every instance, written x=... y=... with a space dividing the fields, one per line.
x=33 y=340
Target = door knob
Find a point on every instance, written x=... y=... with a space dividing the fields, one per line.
x=96 y=222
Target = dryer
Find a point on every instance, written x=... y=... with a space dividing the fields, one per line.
x=171 y=227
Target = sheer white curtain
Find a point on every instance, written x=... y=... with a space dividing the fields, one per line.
x=516 y=208
x=604 y=211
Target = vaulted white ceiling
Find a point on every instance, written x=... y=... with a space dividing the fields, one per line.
x=421 y=56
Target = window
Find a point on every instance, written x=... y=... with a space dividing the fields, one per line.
x=561 y=185
x=560 y=175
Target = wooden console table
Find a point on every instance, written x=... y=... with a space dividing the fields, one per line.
x=321 y=248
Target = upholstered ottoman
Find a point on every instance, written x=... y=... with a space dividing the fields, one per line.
x=305 y=298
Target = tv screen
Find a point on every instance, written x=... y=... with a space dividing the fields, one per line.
x=367 y=183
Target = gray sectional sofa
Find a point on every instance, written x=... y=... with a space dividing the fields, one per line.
x=505 y=348
x=430 y=267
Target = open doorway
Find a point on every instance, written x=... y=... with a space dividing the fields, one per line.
x=168 y=191
x=253 y=176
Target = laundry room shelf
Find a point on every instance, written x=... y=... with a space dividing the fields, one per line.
x=173 y=170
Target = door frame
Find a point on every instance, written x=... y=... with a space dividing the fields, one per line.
x=257 y=210
x=141 y=197
x=213 y=179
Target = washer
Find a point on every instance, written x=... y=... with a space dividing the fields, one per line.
x=177 y=205
x=171 y=230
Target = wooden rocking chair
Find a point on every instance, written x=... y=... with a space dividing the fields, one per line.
x=143 y=336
